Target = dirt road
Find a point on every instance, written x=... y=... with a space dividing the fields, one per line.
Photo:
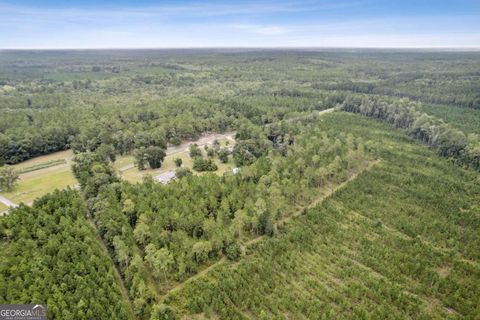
x=7 y=202
x=303 y=116
x=299 y=212
x=326 y=111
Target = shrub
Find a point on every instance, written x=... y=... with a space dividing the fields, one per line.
x=200 y=164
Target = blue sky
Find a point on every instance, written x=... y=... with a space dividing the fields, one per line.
x=284 y=23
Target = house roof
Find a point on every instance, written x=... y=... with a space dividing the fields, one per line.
x=165 y=177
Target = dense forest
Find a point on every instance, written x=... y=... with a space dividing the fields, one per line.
x=56 y=100
x=327 y=215
x=50 y=254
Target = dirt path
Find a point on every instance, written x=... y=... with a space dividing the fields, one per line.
x=258 y=239
x=116 y=274
x=317 y=201
x=193 y=278
x=7 y=202
x=127 y=167
x=322 y=112
x=326 y=111
x=297 y=213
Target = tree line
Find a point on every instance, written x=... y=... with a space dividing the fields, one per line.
x=449 y=142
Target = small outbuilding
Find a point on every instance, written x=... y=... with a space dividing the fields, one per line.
x=166 y=177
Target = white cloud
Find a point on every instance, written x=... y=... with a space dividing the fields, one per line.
x=196 y=9
x=248 y=24
x=262 y=30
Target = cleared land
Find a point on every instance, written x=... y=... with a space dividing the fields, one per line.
x=47 y=173
x=126 y=168
x=36 y=183
x=465 y=119
x=67 y=155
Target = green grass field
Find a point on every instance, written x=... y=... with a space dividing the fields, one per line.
x=399 y=242
x=3 y=207
x=61 y=155
x=42 y=165
x=134 y=175
x=37 y=183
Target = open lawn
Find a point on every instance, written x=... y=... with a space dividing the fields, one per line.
x=32 y=186
x=126 y=169
x=39 y=182
x=66 y=155
x=132 y=174
x=3 y=207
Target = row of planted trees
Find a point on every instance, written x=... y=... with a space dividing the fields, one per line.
x=50 y=255
x=403 y=113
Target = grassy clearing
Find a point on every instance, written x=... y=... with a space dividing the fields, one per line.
x=122 y=161
x=42 y=175
x=399 y=242
x=135 y=175
x=38 y=183
x=465 y=119
x=132 y=174
x=3 y=207
x=42 y=165
x=66 y=155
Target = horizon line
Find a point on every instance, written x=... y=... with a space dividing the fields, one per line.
x=454 y=48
